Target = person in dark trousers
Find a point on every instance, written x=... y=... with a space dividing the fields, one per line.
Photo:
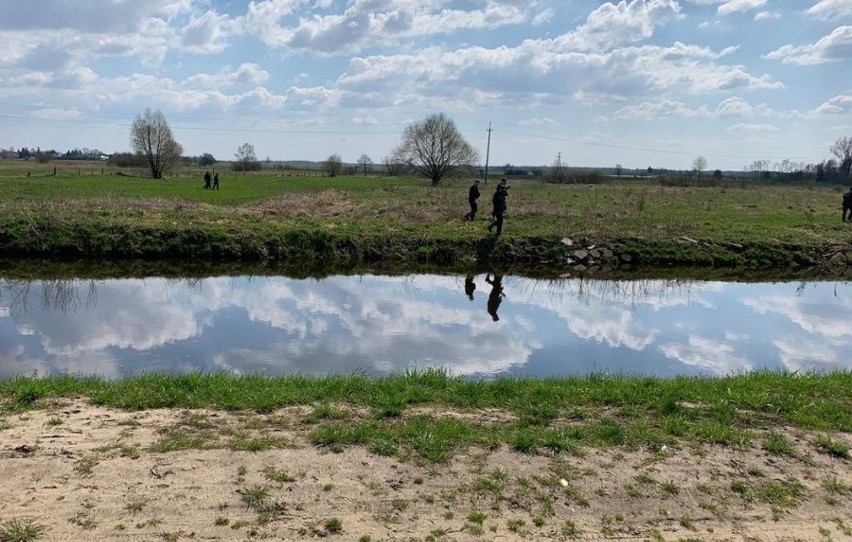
x=472 y=197
x=847 y=205
x=496 y=296
x=216 y=181
x=207 y=179
x=469 y=286
x=498 y=206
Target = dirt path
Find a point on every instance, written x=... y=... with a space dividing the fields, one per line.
x=89 y=473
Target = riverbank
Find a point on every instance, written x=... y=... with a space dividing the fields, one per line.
x=356 y=222
x=425 y=456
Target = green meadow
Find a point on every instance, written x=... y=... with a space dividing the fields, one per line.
x=275 y=216
x=556 y=414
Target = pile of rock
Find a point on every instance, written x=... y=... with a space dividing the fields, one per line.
x=593 y=258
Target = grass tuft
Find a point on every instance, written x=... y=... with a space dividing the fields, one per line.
x=20 y=530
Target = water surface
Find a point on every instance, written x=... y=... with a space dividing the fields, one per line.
x=481 y=326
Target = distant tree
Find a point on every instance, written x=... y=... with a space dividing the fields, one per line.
x=699 y=165
x=618 y=170
x=333 y=165
x=206 y=159
x=717 y=174
x=394 y=166
x=759 y=167
x=365 y=163
x=151 y=136
x=434 y=148
x=558 y=171
x=842 y=149
x=128 y=159
x=246 y=158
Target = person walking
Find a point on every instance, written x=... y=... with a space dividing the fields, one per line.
x=496 y=296
x=498 y=206
x=216 y=181
x=472 y=197
x=847 y=205
x=207 y=179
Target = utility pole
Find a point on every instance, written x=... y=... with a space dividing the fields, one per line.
x=487 y=153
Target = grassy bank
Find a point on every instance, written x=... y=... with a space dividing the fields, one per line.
x=354 y=220
x=401 y=414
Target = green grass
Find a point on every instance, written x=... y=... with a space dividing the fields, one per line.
x=255 y=497
x=778 y=444
x=407 y=221
x=20 y=530
x=632 y=412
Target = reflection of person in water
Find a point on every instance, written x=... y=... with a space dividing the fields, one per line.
x=496 y=295
x=469 y=286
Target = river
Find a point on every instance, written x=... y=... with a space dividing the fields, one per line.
x=480 y=326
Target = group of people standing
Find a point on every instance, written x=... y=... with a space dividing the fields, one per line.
x=215 y=178
x=498 y=204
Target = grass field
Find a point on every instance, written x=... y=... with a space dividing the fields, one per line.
x=262 y=216
x=623 y=409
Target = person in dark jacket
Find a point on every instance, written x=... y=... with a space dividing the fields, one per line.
x=216 y=181
x=472 y=197
x=496 y=296
x=847 y=205
x=498 y=205
x=469 y=287
x=207 y=179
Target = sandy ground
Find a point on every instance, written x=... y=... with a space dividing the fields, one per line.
x=89 y=473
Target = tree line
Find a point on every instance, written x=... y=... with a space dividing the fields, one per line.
x=432 y=148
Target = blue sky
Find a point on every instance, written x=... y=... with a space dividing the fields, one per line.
x=639 y=83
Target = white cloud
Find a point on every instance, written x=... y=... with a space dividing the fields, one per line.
x=545 y=121
x=830 y=10
x=766 y=16
x=366 y=23
x=715 y=355
x=739 y=6
x=88 y=16
x=806 y=355
x=615 y=24
x=836 y=105
x=246 y=74
x=818 y=319
x=734 y=107
x=208 y=33
x=752 y=130
x=834 y=47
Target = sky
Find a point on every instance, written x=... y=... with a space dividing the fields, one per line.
x=640 y=83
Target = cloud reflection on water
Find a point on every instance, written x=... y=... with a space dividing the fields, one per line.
x=382 y=325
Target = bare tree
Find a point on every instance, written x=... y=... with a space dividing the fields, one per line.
x=246 y=158
x=619 y=169
x=434 y=148
x=699 y=165
x=558 y=171
x=151 y=136
x=333 y=165
x=394 y=166
x=842 y=149
x=365 y=163
x=760 y=167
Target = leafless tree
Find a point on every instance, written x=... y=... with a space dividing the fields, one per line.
x=434 y=148
x=699 y=165
x=558 y=171
x=151 y=136
x=365 y=163
x=333 y=165
x=842 y=149
x=394 y=166
x=246 y=158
